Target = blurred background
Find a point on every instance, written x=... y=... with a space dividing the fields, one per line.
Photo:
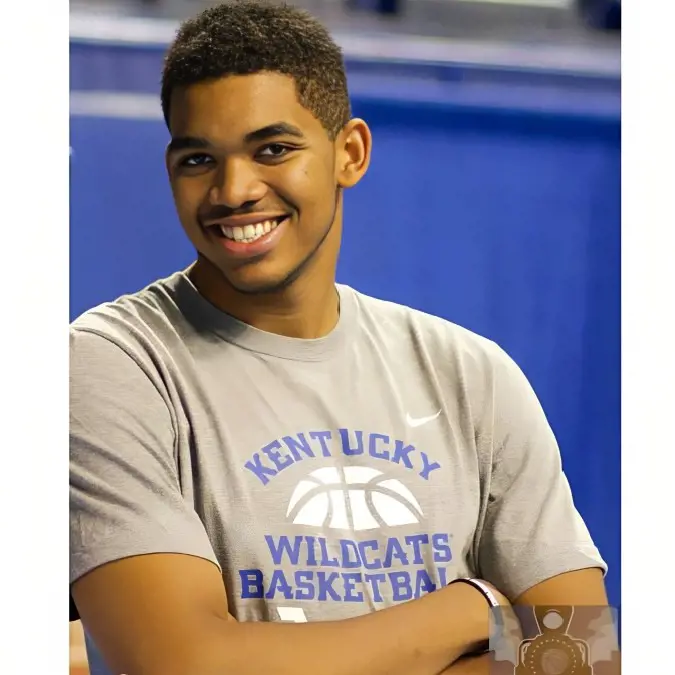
x=496 y=129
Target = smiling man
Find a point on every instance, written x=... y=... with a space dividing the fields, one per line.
x=274 y=473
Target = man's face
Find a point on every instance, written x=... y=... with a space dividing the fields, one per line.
x=254 y=177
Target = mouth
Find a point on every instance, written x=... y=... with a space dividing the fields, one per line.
x=249 y=237
x=249 y=233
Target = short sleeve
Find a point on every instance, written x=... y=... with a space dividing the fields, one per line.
x=125 y=496
x=532 y=529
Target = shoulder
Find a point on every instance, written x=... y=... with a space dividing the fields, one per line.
x=136 y=336
x=135 y=323
x=472 y=373
x=435 y=337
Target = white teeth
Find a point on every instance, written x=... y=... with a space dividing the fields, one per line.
x=249 y=233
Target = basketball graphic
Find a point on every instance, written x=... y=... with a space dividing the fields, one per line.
x=353 y=498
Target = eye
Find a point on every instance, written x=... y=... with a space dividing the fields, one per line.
x=274 y=151
x=195 y=160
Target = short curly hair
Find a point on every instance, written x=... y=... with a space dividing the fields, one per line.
x=243 y=37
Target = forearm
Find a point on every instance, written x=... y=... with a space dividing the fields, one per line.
x=421 y=637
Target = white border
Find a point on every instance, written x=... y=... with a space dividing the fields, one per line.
x=35 y=207
x=648 y=345
x=34 y=494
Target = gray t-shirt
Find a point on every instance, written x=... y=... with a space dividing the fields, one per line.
x=327 y=478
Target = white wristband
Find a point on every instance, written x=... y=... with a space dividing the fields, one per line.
x=483 y=588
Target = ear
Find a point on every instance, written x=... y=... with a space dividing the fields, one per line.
x=353 y=144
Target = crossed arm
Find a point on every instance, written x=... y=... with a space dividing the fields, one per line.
x=176 y=604
x=167 y=614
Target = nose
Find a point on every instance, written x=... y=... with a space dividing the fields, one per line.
x=236 y=183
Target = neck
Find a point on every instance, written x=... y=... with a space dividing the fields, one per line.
x=307 y=309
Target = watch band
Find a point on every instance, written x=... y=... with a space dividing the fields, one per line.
x=483 y=588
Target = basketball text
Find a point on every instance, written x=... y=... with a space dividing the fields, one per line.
x=410 y=567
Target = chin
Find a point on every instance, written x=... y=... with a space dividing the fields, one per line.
x=253 y=282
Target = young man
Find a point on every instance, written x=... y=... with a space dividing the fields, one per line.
x=260 y=458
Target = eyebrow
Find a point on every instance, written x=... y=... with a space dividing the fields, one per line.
x=180 y=143
x=272 y=131
x=187 y=143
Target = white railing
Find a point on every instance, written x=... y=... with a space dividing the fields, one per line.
x=574 y=58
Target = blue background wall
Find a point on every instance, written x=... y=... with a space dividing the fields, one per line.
x=493 y=200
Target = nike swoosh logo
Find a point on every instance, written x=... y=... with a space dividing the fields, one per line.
x=419 y=421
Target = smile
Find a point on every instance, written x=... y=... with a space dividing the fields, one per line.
x=247 y=234
x=251 y=236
